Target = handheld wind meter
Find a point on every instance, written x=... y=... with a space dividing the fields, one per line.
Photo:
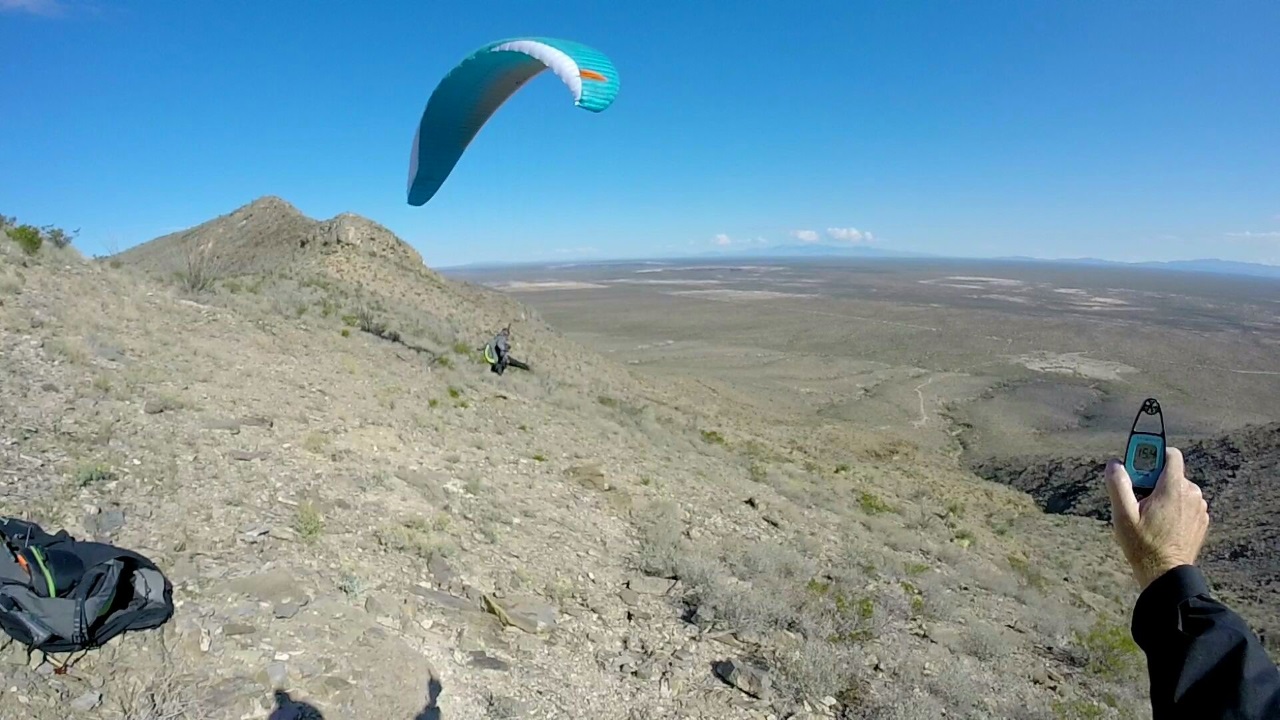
x=1144 y=457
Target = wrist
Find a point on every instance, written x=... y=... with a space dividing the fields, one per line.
x=1150 y=570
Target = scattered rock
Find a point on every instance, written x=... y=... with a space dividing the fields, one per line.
x=87 y=701
x=527 y=614
x=286 y=611
x=233 y=629
x=232 y=426
x=589 y=475
x=274 y=676
x=254 y=532
x=444 y=600
x=440 y=570
x=484 y=661
x=272 y=586
x=374 y=606
x=629 y=596
x=155 y=407
x=104 y=523
x=257 y=421
x=247 y=455
x=750 y=680
x=646 y=585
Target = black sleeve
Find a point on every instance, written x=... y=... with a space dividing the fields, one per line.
x=1203 y=659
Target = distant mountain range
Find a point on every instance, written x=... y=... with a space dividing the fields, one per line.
x=1205 y=265
x=816 y=250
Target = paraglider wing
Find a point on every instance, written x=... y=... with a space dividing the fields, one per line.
x=471 y=92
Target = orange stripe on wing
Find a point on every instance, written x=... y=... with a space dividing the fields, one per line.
x=592 y=75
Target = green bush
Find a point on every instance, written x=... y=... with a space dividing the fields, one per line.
x=308 y=523
x=87 y=475
x=28 y=238
x=872 y=504
x=58 y=237
x=713 y=437
x=1108 y=651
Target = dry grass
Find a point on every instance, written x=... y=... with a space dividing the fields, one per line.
x=415 y=537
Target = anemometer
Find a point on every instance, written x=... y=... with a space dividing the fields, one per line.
x=1144 y=457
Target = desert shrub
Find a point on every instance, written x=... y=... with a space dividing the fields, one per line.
x=27 y=237
x=1108 y=651
x=1029 y=573
x=916 y=568
x=960 y=691
x=713 y=437
x=351 y=585
x=906 y=705
x=414 y=537
x=872 y=504
x=661 y=541
x=168 y=694
x=1078 y=709
x=370 y=323
x=815 y=668
x=986 y=643
x=764 y=588
x=201 y=268
x=308 y=522
x=93 y=474
x=58 y=237
x=316 y=442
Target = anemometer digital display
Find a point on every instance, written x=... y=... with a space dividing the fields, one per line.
x=1144 y=457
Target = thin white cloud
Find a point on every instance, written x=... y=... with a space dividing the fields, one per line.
x=722 y=240
x=805 y=236
x=47 y=8
x=1250 y=235
x=853 y=236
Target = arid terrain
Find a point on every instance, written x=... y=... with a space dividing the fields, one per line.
x=721 y=493
x=1023 y=357
x=1028 y=373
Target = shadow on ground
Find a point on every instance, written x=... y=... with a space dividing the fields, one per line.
x=288 y=708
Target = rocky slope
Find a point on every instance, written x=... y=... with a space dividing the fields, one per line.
x=361 y=521
x=1238 y=472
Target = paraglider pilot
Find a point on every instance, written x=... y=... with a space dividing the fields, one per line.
x=496 y=353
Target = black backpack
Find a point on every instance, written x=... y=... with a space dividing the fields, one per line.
x=59 y=594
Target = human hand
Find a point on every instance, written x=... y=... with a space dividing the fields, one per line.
x=1167 y=528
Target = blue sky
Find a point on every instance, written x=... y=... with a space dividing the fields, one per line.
x=1120 y=130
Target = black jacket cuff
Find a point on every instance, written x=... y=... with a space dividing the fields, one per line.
x=1156 y=612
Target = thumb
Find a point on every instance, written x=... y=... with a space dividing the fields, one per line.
x=1124 y=504
x=1174 y=473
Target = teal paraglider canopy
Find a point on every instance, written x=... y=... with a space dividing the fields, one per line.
x=471 y=92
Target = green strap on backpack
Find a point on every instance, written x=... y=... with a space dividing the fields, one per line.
x=59 y=594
